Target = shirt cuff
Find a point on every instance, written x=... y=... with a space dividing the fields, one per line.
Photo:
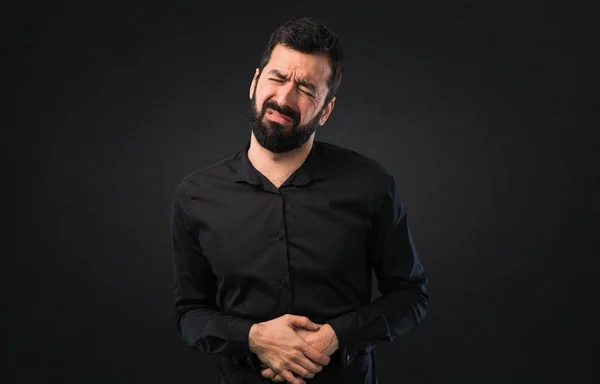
x=240 y=331
x=345 y=328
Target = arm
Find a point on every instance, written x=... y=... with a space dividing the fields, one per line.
x=400 y=274
x=199 y=320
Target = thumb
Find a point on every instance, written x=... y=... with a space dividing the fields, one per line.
x=303 y=322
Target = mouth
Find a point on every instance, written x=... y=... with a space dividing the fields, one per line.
x=278 y=117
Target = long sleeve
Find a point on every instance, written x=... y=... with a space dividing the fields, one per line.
x=401 y=279
x=199 y=320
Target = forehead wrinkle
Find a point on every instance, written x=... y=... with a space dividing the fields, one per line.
x=314 y=69
x=301 y=81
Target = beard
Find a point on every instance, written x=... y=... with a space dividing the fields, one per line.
x=275 y=137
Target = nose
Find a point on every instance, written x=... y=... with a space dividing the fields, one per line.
x=286 y=96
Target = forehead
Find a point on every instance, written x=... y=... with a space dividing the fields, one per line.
x=315 y=68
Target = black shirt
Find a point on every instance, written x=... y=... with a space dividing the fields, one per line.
x=245 y=251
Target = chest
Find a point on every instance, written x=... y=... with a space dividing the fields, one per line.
x=312 y=232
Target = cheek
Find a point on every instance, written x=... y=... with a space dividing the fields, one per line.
x=307 y=111
x=261 y=96
x=264 y=90
x=258 y=104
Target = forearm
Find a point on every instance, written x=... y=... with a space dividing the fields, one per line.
x=384 y=319
x=208 y=330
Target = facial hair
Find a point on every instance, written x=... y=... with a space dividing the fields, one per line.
x=278 y=138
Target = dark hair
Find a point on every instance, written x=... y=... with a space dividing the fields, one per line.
x=309 y=36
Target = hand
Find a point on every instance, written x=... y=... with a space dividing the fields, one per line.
x=324 y=339
x=279 y=347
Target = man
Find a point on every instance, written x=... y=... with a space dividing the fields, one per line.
x=274 y=246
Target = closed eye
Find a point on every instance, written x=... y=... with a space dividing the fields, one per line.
x=306 y=92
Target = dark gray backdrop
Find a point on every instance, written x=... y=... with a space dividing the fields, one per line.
x=482 y=113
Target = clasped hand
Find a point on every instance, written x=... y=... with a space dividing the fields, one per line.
x=292 y=344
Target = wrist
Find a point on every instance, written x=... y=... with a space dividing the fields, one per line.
x=252 y=336
x=332 y=336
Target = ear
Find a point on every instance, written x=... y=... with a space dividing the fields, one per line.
x=327 y=112
x=253 y=83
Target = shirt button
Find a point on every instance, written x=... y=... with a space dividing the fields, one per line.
x=283 y=283
x=280 y=237
x=347 y=357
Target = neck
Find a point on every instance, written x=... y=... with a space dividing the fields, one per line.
x=268 y=162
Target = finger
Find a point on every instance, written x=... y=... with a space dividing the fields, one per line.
x=305 y=362
x=289 y=377
x=300 y=370
x=310 y=365
x=315 y=355
x=268 y=373
x=302 y=322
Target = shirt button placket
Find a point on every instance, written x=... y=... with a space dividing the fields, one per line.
x=281 y=237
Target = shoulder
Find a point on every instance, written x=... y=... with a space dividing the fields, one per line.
x=348 y=161
x=207 y=176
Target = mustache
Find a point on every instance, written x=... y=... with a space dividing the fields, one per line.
x=286 y=111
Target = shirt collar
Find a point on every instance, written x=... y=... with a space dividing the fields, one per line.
x=312 y=169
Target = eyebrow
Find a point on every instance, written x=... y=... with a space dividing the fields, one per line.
x=301 y=82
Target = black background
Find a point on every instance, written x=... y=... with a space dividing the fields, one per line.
x=485 y=114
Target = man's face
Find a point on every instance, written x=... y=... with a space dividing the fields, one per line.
x=288 y=99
